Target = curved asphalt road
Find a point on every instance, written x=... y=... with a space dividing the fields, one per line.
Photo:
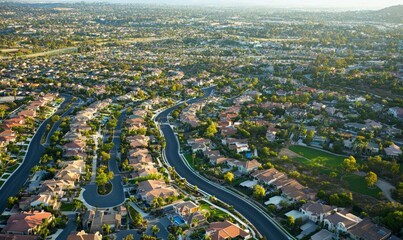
x=35 y=151
x=117 y=196
x=257 y=218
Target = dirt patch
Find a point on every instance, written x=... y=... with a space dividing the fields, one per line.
x=288 y=152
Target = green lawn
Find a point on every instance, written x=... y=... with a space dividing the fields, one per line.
x=358 y=184
x=12 y=168
x=67 y=206
x=1 y=182
x=215 y=214
x=189 y=159
x=317 y=157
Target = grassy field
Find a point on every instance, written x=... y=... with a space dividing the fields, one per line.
x=189 y=159
x=317 y=157
x=357 y=184
x=67 y=206
x=215 y=214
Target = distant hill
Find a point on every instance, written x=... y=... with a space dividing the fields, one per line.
x=390 y=14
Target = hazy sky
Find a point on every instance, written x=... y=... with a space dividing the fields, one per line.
x=345 y=4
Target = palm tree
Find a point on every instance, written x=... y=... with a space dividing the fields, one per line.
x=155 y=230
x=106 y=229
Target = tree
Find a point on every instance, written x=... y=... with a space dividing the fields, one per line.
x=211 y=129
x=106 y=228
x=394 y=221
x=171 y=237
x=11 y=201
x=229 y=177
x=350 y=164
x=290 y=221
x=105 y=156
x=155 y=229
x=129 y=237
x=101 y=179
x=259 y=192
x=371 y=179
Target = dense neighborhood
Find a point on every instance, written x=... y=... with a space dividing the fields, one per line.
x=129 y=121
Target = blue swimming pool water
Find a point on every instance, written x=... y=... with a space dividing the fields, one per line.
x=178 y=220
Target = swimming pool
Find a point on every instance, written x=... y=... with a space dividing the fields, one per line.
x=178 y=220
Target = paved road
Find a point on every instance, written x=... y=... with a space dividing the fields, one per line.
x=70 y=227
x=35 y=151
x=117 y=196
x=256 y=217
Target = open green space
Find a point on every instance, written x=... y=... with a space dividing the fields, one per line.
x=67 y=206
x=358 y=184
x=317 y=157
x=192 y=162
x=215 y=214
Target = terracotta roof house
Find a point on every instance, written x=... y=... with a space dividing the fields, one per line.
x=267 y=176
x=369 y=231
x=150 y=189
x=27 y=113
x=7 y=136
x=316 y=211
x=67 y=175
x=24 y=223
x=82 y=235
x=225 y=230
x=138 y=141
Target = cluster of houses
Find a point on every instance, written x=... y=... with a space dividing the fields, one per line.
x=339 y=221
x=291 y=189
x=8 y=134
x=23 y=225
x=139 y=157
x=214 y=156
x=76 y=146
x=188 y=114
x=192 y=215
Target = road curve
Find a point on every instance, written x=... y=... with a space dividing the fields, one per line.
x=117 y=195
x=259 y=219
x=35 y=151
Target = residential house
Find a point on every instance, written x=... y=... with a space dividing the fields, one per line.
x=138 y=141
x=25 y=223
x=316 y=211
x=393 y=150
x=150 y=189
x=396 y=112
x=341 y=221
x=199 y=144
x=226 y=230
x=369 y=231
x=186 y=208
x=95 y=219
x=82 y=235
x=267 y=176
